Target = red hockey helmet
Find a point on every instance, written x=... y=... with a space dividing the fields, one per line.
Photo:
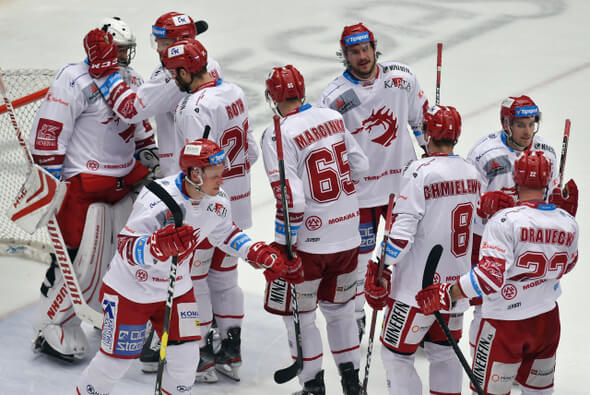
x=174 y=25
x=201 y=153
x=518 y=107
x=285 y=83
x=532 y=170
x=356 y=34
x=188 y=54
x=442 y=123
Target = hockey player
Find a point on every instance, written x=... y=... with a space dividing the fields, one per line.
x=377 y=102
x=158 y=97
x=135 y=287
x=494 y=156
x=322 y=162
x=524 y=252
x=222 y=108
x=435 y=205
x=78 y=139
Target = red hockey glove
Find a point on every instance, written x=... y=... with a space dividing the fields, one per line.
x=491 y=202
x=569 y=204
x=435 y=297
x=101 y=52
x=377 y=290
x=170 y=241
x=294 y=273
x=263 y=256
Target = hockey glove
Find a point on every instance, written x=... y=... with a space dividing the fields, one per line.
x=171 y=241
x=294 y=273
x=491 y=202
x=263 y=256
x=435 y=297
x=569 y=203
x=101 y=51
x=377 y=290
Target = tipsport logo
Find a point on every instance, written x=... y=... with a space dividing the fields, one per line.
x=356 y=39
x=528 y=111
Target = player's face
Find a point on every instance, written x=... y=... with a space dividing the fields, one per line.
x=212 y=179
x=361 y=58
x=523 y=130
x=162 y=43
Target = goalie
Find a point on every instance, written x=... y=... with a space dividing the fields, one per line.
x=78 y=139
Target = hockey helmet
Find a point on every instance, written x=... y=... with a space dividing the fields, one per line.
x=532 y=170
x=122 y=36
x=519 y=107
x=188 y=54
x=201 y=153
x=442 y=123
x=356 y=34
x=285 y=83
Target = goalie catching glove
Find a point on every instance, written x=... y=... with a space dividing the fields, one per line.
x=435 y=297
x=263 y=256
x=377 y=289
x=569 y=203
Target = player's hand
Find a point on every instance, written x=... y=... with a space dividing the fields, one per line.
x=377 y=290
x=171 y=241
x=566 y=199
x=491 y=202
x=101 y=51
x=263 y=256
x=294 y=273
x=435 y=297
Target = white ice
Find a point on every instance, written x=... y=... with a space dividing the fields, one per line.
x=492 y=49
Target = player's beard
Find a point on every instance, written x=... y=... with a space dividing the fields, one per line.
x=362 y=75
x=183 y=86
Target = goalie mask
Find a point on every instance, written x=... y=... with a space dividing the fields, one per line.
x=122 y=36
x=200 y=154
x=442 y=123
x=532 y=170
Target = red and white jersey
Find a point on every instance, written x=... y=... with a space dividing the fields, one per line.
x=75 y=131
x=223 y=107
x=494 y=160
x=525 y=250
x=321 y=161
x=377 y=113
x=435 y=205
x=140 y=277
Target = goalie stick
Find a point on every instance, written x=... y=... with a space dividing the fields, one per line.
x=81 y=308
x=388 y=223
x=427 y=279
x=165 y=197
x=283 y=375
x=564 y=144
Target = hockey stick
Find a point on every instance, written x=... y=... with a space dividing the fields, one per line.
x=283 y=375
x=388 y=223
x=427 y=279
x=165 y=197
x=438 y=71
x=564 y=144
x=81 y=308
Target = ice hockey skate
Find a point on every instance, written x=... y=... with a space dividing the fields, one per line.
x=229 y=358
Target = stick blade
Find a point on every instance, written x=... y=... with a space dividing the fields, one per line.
x=431 y=264
x=283 y=375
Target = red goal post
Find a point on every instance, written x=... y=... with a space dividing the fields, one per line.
x=25 y=88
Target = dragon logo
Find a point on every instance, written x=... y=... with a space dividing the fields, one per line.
x=383 y=117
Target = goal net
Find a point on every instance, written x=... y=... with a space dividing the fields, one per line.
x=26 y=88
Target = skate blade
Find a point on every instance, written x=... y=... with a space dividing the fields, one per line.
x=228 y=370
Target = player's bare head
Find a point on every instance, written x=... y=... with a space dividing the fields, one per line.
x=123 y=36
x=175 y=26
x=520 y=118
x=186 y=60
x=203 y=162
x=284 y=85
x=532 y=172
x=442 y=125
x=358 y=50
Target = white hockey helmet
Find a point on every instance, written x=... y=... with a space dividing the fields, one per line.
x=123 y=37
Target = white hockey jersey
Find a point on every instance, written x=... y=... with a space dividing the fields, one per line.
x=494 y=160
x=223 y=107
x=436 y=204
x=322 y=160
x=378 y=114
x=136 y=274
x=76 y=132
x=525 y=250
x=157 y=98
